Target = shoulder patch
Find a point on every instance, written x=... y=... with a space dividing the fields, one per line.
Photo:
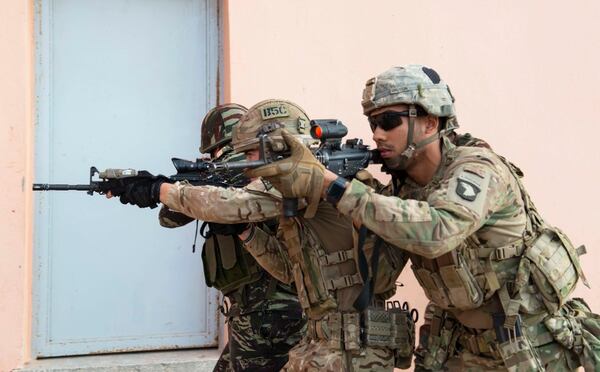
x=468 y=184
x=272 y=112
x=469 y=188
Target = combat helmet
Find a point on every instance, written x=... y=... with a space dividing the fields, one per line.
x=410 y=85
x=415 y=86
x=217 y=126
x=268 y=117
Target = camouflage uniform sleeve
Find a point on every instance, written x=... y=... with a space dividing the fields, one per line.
x=467 y=195
x=225 y=205
x=271 y=255
x=367 y=178
x=171 y=219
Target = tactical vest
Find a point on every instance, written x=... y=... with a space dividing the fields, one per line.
x=323 y=252
x=324 y=259
x=471 y=274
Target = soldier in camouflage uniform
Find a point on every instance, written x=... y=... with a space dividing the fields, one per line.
x=318 y=251
x=497 y=275
x=264 y=317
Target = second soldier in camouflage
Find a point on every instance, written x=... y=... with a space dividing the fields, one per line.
x=264 y=317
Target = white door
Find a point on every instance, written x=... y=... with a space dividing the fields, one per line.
x=119 y=84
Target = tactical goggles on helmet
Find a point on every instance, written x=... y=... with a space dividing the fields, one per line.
x=389 y=120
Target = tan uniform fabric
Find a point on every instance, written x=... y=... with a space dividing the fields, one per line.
x=225 y=205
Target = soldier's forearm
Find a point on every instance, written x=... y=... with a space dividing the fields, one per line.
x=221 y=205
x=408 y=224
x=171 y=219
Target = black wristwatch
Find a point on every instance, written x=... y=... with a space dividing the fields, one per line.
x=336 y=190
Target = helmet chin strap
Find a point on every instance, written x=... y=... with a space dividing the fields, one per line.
x=406 y=155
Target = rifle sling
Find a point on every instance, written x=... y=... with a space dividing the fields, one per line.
x=366 y=294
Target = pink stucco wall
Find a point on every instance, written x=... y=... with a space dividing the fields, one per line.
x=525 y=76
x=15 y=165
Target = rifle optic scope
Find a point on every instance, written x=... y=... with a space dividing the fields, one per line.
x=325 y=129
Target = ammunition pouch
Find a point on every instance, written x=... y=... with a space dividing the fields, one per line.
x=448 y=282
x=519 y=355
x=514 y=347
x=341 y=331
x=227 y=265
x=392 y=329
x=555 y=267
x=479 y=343
x=440 y=339
x=432 y=284
x=510 y=345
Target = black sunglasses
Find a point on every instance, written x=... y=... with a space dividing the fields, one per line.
x=389 y=120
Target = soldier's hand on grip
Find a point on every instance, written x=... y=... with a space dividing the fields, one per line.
x=298 y=176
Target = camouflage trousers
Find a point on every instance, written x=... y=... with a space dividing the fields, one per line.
x=260 y=341
x=562 y=342
x=316 y=355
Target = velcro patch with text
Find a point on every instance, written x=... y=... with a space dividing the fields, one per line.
x=274 y=112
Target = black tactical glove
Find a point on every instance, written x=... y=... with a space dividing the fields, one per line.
x=144 y=192
x=227 y=229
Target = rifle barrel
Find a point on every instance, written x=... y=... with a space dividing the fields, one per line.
x=60 y=187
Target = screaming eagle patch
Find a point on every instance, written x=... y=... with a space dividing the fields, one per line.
x=467 y=190
x=470 y=189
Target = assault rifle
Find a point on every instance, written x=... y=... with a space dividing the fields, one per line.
x=116 y=180
x=343 y=159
